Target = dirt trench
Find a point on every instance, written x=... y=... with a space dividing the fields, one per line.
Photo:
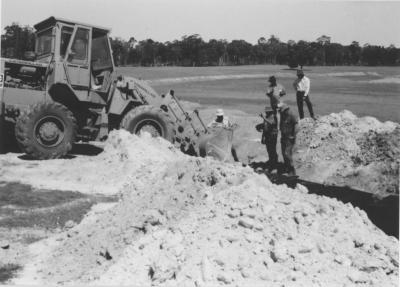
x=383 y=212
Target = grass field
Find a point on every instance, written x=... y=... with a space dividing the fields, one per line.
x=373 y=91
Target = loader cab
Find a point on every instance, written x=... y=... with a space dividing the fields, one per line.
x=81 y=54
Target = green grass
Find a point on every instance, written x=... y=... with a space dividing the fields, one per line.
x=329 y=93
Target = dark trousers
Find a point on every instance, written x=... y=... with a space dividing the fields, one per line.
x=300 y=98
x=270 y=143
x=287 y=146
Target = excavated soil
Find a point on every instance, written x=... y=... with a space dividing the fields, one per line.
x=345 y=150
x=185 y=221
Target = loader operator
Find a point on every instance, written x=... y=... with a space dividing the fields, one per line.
x=269 y=137
x=288 y=127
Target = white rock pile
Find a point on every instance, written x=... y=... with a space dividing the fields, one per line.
x=185 y=221
x=342 y=149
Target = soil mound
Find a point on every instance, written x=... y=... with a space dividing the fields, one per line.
x=185 y=221
x=343 y=149
x=105 y=173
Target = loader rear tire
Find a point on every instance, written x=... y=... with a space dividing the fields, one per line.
x=46 y=131
x=150 y=119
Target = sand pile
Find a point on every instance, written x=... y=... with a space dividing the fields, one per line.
x=346 y=150
x=106 y=173
x=185 y=221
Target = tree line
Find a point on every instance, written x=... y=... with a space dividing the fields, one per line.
x=193 y=50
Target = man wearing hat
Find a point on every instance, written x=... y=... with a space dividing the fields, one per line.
x=288 y=127
x=275 y=92
x=269 y=136
x=302 y=88
x=220 y=120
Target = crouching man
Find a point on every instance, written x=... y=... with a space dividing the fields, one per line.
x=222 y=121
x=288 y=127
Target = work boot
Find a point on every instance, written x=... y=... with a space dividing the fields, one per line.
x=282 y=170
x=271 y=167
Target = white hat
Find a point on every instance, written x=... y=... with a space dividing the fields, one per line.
x=220 y=112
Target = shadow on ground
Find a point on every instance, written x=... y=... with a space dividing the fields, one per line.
x=384 y=213
x=85 y=149
x=8 y=271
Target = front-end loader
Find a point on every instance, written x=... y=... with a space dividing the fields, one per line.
x=71 y=92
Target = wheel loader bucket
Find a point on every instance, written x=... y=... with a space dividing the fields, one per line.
x=217 y=144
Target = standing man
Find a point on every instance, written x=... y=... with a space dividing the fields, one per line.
x=302 y=88
x=288 y=127
x=275 y=92
x=269 y=137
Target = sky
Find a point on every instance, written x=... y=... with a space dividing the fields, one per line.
x=373 y=22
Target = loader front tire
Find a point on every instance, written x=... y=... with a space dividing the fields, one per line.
x=46 y=131
x=149 y=119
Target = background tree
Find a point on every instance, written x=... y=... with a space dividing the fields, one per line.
x=291 y=52
x=392 y=56
x=239 y=52
x=324 y=41
x=191 y=47
x=192 y=50
x=273 y=45
x=17 y=40
x=355 y=53
x=120 y=51
x=148 y=51
x=213 y=53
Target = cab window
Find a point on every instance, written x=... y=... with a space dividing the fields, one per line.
x=44 y=42
x=66 y=33
x=79 y=49
x=101 y=56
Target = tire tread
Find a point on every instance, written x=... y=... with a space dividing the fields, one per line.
x=133 y=113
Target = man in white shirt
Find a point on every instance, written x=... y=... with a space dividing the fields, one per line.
x=302 y=87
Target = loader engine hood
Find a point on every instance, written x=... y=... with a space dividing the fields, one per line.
x=24 y=74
